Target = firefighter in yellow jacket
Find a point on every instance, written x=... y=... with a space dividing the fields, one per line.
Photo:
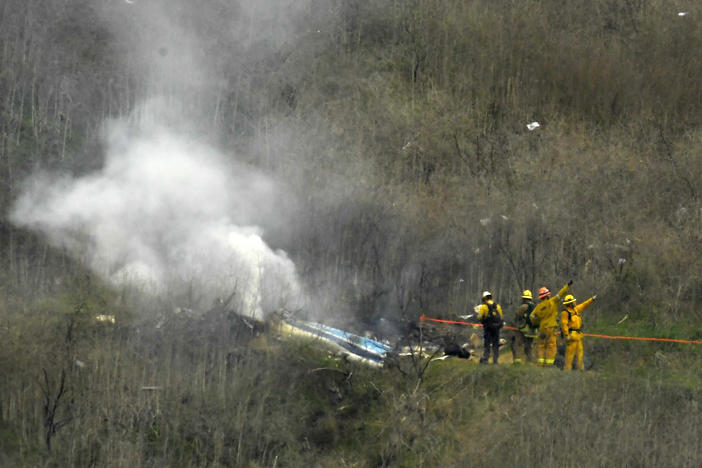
x=571 y=329
x=490 y=315
x=546 y=315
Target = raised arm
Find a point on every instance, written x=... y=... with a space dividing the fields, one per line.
x=563 y=291
x=585 y=304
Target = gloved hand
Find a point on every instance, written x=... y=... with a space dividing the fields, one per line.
x=568 y=338
x=570 y=282
x=594 y=297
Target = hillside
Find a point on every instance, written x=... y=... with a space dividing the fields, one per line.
x=210 y=392
x=360 y=163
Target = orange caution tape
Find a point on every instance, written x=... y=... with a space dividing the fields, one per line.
x=636 y=338
x=643 y=338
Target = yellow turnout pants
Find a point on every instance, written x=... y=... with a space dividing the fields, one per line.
x=574 y=347
x=546 y=347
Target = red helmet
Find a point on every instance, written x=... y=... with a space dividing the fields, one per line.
x=544 y=292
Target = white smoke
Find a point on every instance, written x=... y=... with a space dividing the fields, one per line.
x=166 y=213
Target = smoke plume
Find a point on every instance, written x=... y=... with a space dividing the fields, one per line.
x=168 y=214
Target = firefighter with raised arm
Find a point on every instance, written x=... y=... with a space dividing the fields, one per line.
x=546 y=315
x=523 y=336
x=490 y=315
x=572 y=330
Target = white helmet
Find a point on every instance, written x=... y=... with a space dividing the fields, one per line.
x=486 y=294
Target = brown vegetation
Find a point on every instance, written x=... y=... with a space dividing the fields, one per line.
x=399 y=129
x=208 y=392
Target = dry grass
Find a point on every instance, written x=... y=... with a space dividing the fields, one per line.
x=403 y=135
x=194 y=395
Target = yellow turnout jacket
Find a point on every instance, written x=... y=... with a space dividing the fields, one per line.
x=483 y=310
x=571 y=319
x=546 y=312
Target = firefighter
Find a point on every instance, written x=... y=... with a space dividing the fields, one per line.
x=572 y=330
x=523 y=336
x=545 y=314
x=490 y=315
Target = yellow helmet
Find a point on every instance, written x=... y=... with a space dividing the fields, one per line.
x=527 y=294
x=569 y=299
